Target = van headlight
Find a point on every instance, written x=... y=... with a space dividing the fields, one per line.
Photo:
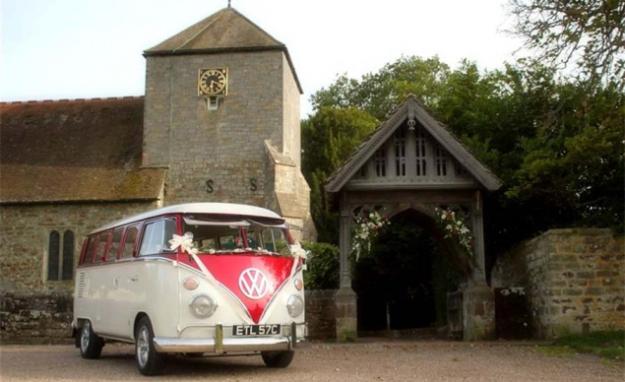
x=295 y=305
x=203 y=306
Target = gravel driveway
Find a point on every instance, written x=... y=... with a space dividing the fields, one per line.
x=362 y=361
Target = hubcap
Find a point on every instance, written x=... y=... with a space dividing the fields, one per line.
x=84 y=336
x=143 y=346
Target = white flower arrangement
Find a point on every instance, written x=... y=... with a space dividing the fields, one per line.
x=297 y=251
x=184 y=242
x=455 y=228
x=366 y=230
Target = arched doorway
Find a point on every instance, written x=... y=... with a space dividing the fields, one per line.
x=403 y=283
x=412 y=161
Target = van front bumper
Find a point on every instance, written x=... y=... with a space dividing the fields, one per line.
x=221 y=345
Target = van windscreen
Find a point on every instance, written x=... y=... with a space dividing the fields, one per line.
x=235 y=234
x=211 y=238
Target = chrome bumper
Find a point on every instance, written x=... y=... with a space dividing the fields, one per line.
x=221 y=345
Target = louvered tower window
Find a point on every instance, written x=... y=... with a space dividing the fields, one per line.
x=420 y=153
x=400 y=152
x=380 y=163
x=441 y=161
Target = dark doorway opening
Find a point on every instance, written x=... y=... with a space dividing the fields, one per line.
x=404 y=283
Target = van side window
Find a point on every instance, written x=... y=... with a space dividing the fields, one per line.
x=91 y=249
x=156 y=237
x=129 y=242
x=103 y=240
x=116 y=241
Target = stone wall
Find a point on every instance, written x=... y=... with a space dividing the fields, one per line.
x=24 y=235
x=225 y=146
x=320 y=314
x=34 y=309
x=573 y=278
x=36 y=318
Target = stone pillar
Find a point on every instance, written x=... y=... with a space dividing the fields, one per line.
x=477 y=223
x=478 y=313
x=346 y=313
x=478 y=300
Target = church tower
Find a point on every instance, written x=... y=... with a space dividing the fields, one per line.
x=222 y=115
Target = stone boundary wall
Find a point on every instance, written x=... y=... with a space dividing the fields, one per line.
x=574 y=280
x=36 y=318
x=321 y=314
x=46 y=318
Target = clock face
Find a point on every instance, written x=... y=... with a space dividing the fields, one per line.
x=212 y=82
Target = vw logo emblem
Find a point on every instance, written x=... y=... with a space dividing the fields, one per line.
x=253 y=283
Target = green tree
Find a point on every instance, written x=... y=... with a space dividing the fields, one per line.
x=590 y=33
x=557 y=144
x=328 y=138
x=378 y=93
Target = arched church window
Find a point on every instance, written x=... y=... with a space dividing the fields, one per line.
x=420 y=153
x=441 y=161
x=60 y=256
x=68 y=255
x=400 y=152
x=380 y=162
x=54 y=240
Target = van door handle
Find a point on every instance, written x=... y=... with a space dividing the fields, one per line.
x=134 y=279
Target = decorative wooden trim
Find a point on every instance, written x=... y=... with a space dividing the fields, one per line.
x=411 y=108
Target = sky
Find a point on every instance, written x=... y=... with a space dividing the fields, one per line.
x=54 y=49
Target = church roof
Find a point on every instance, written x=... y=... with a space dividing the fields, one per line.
x=411 y=108
x=74 y=151
x=224 y=31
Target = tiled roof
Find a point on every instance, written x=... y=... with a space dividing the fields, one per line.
x=74 y=150
x=224 y=31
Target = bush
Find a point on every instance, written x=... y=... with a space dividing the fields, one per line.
x=323 y=266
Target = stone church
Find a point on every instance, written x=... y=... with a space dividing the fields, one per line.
x=219 y=122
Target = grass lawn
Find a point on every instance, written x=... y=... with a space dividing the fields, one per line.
x=607 y=344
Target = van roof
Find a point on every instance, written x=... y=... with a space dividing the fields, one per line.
x=197 y=208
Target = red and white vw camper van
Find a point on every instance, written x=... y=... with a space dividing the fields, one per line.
x=199 y=278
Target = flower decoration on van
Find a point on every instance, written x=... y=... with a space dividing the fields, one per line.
x=454 y=228
x=297 y=251
x=184 y=242
x=367 y=228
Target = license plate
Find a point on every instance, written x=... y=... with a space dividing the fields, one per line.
x=255 y=330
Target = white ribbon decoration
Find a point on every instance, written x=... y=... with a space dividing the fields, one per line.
x=184 y=242
x=297 y=250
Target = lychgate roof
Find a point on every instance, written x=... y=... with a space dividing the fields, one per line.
x=412 y=109
x=224 y=31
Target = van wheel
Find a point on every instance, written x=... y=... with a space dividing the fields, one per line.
x=277 y=358
x=149 y=361
x=90 y=344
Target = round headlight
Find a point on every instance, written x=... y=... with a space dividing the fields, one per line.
x=203 y=306
x=295 y=305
